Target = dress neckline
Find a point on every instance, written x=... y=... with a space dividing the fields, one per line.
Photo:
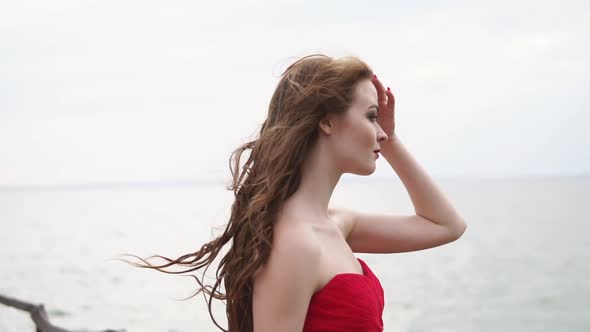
x=346 y=275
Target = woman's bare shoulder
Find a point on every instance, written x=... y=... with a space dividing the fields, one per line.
x=284 y=287
x=294 y=236
x=343 y=217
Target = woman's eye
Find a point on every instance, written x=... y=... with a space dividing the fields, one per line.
x=373 y=117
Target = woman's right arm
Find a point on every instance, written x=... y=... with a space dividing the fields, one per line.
x=284 y=288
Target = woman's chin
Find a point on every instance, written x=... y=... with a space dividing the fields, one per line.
x=366 y=171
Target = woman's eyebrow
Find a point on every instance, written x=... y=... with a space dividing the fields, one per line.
x=374 y=106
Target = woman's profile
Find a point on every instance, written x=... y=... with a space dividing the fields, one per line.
x=290 y=265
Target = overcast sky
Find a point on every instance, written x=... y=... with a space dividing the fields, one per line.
x=142 y=91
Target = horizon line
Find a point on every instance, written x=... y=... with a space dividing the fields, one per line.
x=192 y=183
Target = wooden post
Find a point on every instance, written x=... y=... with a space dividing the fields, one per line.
x=38 y=315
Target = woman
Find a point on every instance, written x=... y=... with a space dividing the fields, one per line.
x=291 y=263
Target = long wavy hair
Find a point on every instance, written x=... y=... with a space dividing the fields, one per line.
x=309 y=88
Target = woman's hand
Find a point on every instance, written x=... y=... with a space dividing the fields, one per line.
x=386 y=119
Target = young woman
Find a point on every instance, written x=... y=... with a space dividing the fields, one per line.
x=291 y=264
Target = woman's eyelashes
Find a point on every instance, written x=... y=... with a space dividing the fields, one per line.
x=373 y=116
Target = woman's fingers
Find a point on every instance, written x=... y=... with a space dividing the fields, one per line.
x=390 y=99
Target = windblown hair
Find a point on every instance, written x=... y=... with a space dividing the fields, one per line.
x=310 y=88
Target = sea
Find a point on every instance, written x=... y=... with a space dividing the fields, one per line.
x=523 y=263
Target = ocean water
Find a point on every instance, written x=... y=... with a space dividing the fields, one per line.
x=522 y=265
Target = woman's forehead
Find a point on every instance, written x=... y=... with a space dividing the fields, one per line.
x=365 y=93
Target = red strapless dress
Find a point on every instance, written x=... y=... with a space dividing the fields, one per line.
x=350 y=302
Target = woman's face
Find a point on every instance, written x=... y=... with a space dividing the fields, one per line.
x=357 y=134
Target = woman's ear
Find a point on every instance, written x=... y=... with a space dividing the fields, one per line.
x=327 y=124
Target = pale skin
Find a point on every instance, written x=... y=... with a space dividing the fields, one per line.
x=313 y=241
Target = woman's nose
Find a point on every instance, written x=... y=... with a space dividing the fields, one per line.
x=381 y=135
